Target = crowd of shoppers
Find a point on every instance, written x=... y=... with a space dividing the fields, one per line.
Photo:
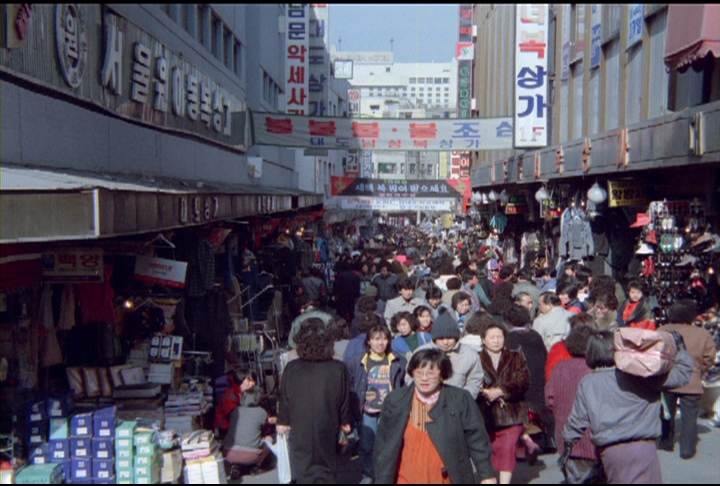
x=456 y=365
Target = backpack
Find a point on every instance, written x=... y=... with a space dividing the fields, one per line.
x=642 y=352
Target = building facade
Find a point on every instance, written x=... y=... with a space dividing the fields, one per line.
x=383 y=88
x=145 y=103
x=623 y=100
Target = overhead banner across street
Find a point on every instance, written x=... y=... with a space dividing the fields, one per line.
x=470 y=135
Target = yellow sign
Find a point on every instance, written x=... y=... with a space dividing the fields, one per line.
x=627 y=193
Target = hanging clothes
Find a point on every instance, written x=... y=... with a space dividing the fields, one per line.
x=67 y=319
x=97 y=299
x=576 y=241
x=200 y=256
x=49 y=347
x=499 y=222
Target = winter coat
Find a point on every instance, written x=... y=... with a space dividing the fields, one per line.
x=642 y=312
x=457 y=431
x=576 y=240
x=314 y=400
x=700 y=346
x=513 y=377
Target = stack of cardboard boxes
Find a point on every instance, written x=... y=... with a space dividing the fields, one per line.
x=138 y=461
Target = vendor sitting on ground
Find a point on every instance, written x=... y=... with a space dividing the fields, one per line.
x=240 y=383
x=244 y=444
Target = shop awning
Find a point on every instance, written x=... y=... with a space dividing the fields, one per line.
x=49 y=205
x=693 y=32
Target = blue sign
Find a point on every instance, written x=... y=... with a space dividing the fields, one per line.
x=636 y=21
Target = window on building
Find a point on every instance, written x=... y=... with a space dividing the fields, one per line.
x=611 y=18
x=237 y=63
x=387 y=69
x=657 y=95
x=205 y=27
x=413 y=80
x=438 y=80
x=217 y=37
x=577 y=88
x=193 y=19
x=577 y=31
x=634 y=88
x=228 y=57
x=446 y=80
x=421 y=88
x=611 y=102
x=421 y=80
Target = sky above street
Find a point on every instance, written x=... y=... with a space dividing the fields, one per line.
x=419 y=33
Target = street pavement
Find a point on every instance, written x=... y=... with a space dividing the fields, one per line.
x=704 y=468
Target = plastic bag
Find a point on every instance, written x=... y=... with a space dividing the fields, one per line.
x=281 y=451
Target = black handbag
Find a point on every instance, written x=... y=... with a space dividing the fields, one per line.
x=580 y=471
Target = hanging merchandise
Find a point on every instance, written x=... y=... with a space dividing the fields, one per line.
x=676 y=244
x=576 y=240
x=499 y=222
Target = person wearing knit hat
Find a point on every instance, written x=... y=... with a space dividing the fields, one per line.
x=467 y=369
x=445 y=327
x=371 y=291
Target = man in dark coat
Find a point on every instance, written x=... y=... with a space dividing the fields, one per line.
x=314 y=405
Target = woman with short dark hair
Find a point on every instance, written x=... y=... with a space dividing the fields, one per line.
x=622 y=412
x=502 y=400
x=561 y=388
x=407 y=336
x=314 y=405
x=429 y=432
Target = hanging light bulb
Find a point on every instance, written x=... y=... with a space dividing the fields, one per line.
x=542 y=195
x=493 y=196
x=597 y=194
x=504 y=197
x=485 y=199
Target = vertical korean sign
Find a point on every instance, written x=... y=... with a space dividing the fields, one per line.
x=566 y=43
x=465 y=52
x=596 y=38
x=530 y=75
x=297 y=59
x=318 y=61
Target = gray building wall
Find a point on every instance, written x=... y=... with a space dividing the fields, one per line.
x=43 y=126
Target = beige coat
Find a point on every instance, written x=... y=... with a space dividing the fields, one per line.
x=700 y=346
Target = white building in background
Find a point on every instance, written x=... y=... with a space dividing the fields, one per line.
x=382 y=88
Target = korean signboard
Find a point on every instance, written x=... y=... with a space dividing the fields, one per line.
x=352 y=163
x=474 y=134
x=460 y=160
x=318 y=60
x=531 y=75
x=567 y=11
x=353 y=97
x=73 y=265
x=402 y=188
x=297 y=57
x=596 y=39
x=367 y=169
x=636 y=21
x=394 y=204
x=170 y=273
x=627 y=193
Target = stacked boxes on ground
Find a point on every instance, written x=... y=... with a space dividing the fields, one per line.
x=137 y=459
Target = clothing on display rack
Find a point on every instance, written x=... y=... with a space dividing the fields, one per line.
x=576 y=241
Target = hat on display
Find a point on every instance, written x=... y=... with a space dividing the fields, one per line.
x=445 y=327
x=644 y=249
x=651 y=237
x=642 y=219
